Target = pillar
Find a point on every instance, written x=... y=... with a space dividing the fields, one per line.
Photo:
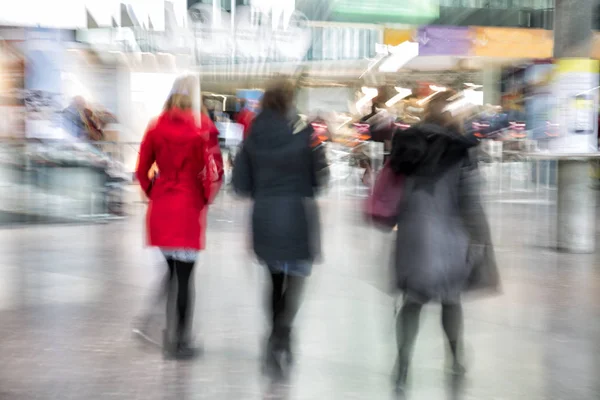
x=576 y=203
x=492 y=75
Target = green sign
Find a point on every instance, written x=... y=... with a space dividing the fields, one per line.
x=382 y=11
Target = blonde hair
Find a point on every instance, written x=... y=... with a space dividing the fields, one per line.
x=182 y=93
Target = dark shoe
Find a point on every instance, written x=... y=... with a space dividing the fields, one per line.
x=401 y=378
x=185 y=351
x=458 y=369
x=278 y=359
x=276 y=366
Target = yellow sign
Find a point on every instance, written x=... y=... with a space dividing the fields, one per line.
x=393 y=37
x=512 y=43
x=566 y=65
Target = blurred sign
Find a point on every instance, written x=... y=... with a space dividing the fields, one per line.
x=232 y=132
x=12 y=110
x=576 y=92
x=444 y=41
x=43 y=82
x=596 y=46
x=378 y=11
x=512 y=42
x=256 y=36
x=393 y=37
x=252 y=97
x=539 y=102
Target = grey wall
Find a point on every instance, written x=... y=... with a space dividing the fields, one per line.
x=311 y=100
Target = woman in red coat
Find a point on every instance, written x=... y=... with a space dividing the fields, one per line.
x=190 y=171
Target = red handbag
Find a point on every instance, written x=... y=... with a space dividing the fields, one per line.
x=381 y=208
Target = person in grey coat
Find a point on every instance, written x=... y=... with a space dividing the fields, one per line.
x=443 y=244
x=281 y=166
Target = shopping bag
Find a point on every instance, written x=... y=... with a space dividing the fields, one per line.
x=381 y=207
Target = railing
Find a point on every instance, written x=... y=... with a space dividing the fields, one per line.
x=84 y=194
x=48 y=181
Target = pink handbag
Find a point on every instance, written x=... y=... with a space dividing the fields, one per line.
x=381 y=208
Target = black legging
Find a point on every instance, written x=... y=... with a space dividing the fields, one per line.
x=407 y=327
x=183 y=271
x=286 y=297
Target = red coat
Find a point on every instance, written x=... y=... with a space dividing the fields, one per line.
x=176 y=216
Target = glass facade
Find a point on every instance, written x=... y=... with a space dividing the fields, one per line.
x=499 y=4
x=338 y=43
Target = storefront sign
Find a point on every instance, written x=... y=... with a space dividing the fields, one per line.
x=393 y=37
x=576 y=93
x=444 y=41
x=512 y=42
x=377 y=11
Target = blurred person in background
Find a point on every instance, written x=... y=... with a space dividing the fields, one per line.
x=190 y=170
x=281 y=166
x=443 y=243
x=79 y=120
x=73 y=120
x=244 y=117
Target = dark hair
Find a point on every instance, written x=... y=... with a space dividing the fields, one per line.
x=408 y=149
x=242 y=103
x=435 y=112
x=279 y=96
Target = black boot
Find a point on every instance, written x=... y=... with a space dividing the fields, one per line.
x=456 y=368
x=401 y=378
x=278 y=357
x=184 y=349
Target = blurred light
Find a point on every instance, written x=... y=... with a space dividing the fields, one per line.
x=400 y=55
x=368 y=91
x=372 y=63
x=436 y=90
x=402 y=126
x=369 y=94
x=466 y=98
x=347 y=119
x=402 y=93
x=474 y=97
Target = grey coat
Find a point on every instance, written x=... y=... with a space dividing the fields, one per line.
x=443 y=246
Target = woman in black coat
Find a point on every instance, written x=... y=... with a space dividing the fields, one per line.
x=443 y=244
x=281 y=166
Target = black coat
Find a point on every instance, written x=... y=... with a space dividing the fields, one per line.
x=281 y=169
x=443 y=244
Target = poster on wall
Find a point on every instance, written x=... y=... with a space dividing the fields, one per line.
x=576 y=92
x=539 y=101
x=43 y=84
x=252 y=97
x=12 y=103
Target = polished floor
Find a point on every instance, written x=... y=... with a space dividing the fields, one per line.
x=68 y=295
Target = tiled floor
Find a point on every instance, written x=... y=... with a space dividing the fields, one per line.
x=68 y=295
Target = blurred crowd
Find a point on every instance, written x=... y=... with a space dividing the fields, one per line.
x=426 y=192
